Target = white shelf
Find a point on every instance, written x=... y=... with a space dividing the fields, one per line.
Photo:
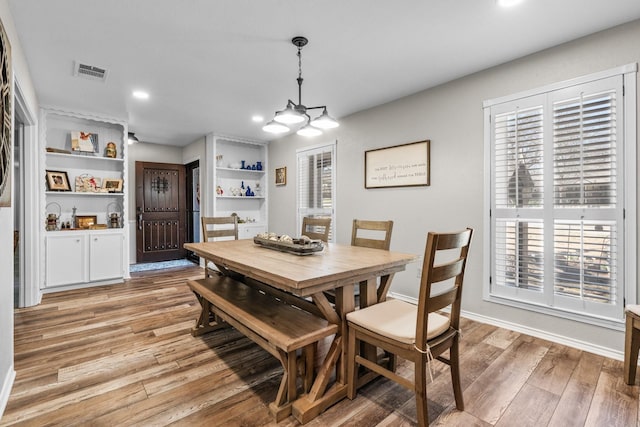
x=241 y=170
x=240 y=197
x=80 y=194
x=76 y=157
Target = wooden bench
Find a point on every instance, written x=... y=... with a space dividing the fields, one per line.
x=269 y=321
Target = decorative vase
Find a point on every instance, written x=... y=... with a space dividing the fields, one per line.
x=242 y=167
x=259 y=166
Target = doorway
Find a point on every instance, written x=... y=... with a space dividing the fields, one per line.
x=192 y=171
x=18 y=211
x=160 y=211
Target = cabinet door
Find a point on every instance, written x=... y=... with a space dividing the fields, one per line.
x=66 y=262
x=249 y=231
x=105 y=256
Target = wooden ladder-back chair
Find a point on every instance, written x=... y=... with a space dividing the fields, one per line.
x=371 y=229
x=316 y=228
x=417 y=333
x=369 y=234
x=215 y=227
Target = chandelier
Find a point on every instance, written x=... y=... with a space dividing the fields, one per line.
x=296 y=114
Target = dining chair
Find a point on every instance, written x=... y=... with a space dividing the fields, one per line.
x=215 y=227
x=371 y=234
x=316 y=228
x=631 y=343
x=417 y=333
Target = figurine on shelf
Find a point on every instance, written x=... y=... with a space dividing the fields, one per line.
x=219 y=191
x=110 y=150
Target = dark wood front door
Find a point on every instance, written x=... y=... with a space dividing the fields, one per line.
x=160 y=211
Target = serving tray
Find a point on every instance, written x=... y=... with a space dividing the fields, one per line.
x=296 y=248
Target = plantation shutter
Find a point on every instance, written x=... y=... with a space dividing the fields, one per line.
x=316 y=184
x=556 y=203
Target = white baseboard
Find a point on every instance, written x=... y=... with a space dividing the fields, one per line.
x=7 y=384
x=559 y=339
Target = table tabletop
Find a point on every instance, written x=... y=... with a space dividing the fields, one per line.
x=335 y=266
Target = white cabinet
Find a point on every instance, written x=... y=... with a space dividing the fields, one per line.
x=230 y=180
x=249 y=231
x=78 y=257
x=66 y=259
x=105 y=256
x=104 y=252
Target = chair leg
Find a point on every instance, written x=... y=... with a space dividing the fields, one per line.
x=454 y=360
x=631 y=348
x=421 y=391
x=351 y=365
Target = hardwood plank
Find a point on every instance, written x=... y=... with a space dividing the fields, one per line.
x=614 y=403
x=490 y=395
x=578 y=394
x=532 y=407
x=555 y=369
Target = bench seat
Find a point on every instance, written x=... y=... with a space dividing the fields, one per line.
x=278 y=327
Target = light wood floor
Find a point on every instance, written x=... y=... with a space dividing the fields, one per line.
x=122 y=355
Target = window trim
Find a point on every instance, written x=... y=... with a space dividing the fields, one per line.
x=629 y=225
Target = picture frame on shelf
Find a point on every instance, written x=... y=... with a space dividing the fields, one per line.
x=281 y=176
x=112 y=185
x=84 y=142
x=58 y=181
x=87 y=184
x=86 y=221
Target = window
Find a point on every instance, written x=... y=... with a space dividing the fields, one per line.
x=316 y=184
x=562 y=178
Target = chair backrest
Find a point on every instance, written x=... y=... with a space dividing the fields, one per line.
x=364 y=231
x=316 y=228
x=219 y=226
x=448 y=246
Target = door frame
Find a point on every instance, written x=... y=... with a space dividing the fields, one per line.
x=190 y=226
x=31 y=251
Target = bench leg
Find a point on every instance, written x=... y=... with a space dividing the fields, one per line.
x=287 y=392
x=203 y=324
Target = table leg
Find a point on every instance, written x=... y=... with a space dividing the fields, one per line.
x=369 y=297
x=320 y=397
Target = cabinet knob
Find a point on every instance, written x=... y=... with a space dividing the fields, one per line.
x=77 y=240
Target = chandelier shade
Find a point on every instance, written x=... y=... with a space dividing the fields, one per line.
x=275 y=127
x=296 y=114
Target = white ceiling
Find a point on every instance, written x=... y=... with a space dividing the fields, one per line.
x=209 y=66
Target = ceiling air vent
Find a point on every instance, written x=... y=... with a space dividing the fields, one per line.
x=90 y=72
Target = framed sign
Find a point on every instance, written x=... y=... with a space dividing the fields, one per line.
x=406 y=165
x=281 y=176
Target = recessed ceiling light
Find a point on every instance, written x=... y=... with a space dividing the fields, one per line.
x=508 y=3
x=257 y=119
x=140 y=94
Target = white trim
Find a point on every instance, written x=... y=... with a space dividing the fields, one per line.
x=624 y=69
x=30 y=281
x=630 y=202
x=7 y=384
x=538 y=333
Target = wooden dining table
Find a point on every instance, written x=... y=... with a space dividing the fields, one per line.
x=337 y=267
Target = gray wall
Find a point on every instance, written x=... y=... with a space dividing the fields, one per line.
x=451 y=116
